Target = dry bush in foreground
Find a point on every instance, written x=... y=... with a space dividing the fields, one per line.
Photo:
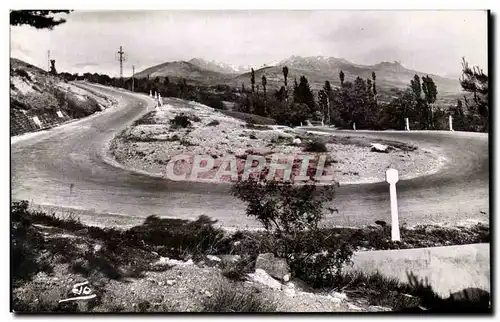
x=230 y=298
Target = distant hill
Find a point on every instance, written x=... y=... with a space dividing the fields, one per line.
x=186 y=70
x=317 y=69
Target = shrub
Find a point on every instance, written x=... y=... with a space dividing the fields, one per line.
x=213 y=123
x=22 y=73
x=148 y=118
x=315 y=146
x=181 y=120
x=238 y=270
x=291 y=215
x=228 y=298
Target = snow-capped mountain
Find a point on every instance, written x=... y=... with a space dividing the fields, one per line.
x=219 y=67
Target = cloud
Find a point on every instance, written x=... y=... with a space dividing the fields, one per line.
x=429 y=41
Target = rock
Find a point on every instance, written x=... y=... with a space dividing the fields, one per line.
x=213 y=258
x=276 y=267
x=97 y=247
x=260 y=276
x=170 y=282
x=286 y=278
x=236 y=243
x=340 y=296
x=296 y=141
x=381 y=223
x=376 y=147
x=228 y=259
x=208 y=294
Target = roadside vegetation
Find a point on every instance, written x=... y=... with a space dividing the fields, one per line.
x=290 y=216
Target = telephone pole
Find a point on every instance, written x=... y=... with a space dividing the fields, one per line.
x=133 y=74
x=121 y=58
x=48 y=60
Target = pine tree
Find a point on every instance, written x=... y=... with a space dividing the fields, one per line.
x=475 y=81
x=40 y=19
x=264 y=84
x=342 y=77
x=252 y=80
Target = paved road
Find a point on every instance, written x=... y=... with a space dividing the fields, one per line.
x=66 y=166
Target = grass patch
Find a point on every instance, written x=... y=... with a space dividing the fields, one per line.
x=237 y=270
x=315 y=146
x=147 y=119
x=229 y=298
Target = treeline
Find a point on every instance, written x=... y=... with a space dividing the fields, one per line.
x=357 y=103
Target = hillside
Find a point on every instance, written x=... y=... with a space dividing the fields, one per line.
x=39 y=100
x=186 y=70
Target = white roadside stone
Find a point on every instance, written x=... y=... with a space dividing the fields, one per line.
x=260 y=276
x=213 y=258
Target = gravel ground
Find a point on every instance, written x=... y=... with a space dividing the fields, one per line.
x=149 y=144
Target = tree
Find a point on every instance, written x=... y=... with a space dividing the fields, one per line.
x=475 y=81
x=40 y=19
x=53 y=70
x=323 y=102
x=302 y=93
x=252 y=80
x=430 y=94
x=264 y=84
x=374 y=78
x=327 y=88
x=285 y=76
x=342 y=78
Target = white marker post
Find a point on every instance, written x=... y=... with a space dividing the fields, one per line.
x=407 y=127
x=354 y=126
x=150 y=93
x=451 y=123
x=160 y=100
x=37 y=121
x=391 y=176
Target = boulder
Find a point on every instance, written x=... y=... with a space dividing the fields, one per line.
x=260 y=276
x=382 y=148
x=296 y=141
x=276 y=267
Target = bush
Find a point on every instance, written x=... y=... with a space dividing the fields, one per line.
x=315 y=146
x=148 y=118
x=22 y=73
x=228 y=298
x=213 y=123
x=291 y=215
x=180 y=121
x=238 y=270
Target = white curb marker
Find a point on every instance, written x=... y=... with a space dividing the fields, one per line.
x=407 y=127
x=37 y=121
x=451 y=123
x=354 y=126
x=391 y=176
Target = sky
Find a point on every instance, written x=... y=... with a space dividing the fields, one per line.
x=427 y=41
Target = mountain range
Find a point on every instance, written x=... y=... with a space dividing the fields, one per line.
x=317 y=69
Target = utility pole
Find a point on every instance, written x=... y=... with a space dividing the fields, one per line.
x=48 y=60
x=133 y=74
x=121 y=58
